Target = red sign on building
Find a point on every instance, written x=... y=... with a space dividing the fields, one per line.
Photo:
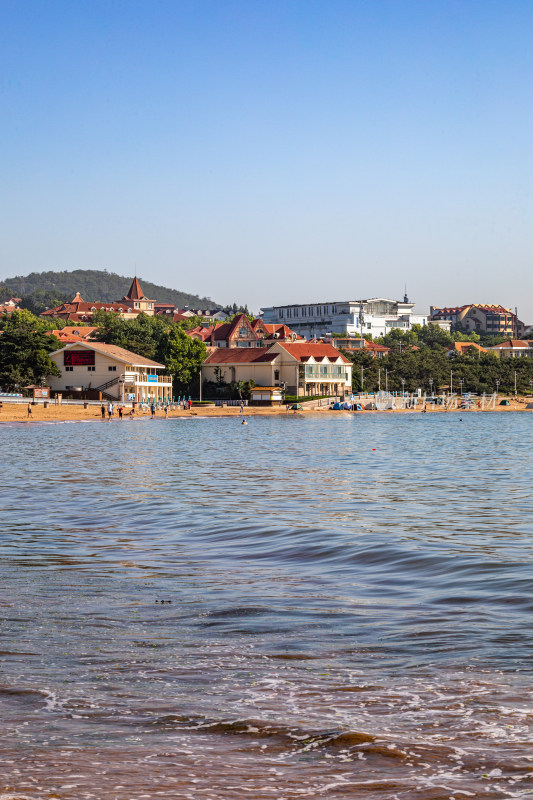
x=79 y=358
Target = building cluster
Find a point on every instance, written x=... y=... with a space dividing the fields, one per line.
x=295 y=348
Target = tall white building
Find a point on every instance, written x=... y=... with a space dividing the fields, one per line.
x=377 y=316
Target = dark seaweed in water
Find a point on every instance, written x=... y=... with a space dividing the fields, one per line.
x=344 y=622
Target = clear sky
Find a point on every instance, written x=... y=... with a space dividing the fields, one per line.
x=269 y=151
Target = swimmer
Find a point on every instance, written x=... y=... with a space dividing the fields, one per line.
x=244 y=422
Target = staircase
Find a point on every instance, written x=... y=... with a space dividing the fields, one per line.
x=107 y=385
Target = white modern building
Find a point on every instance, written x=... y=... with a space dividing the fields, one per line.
x=377 y=316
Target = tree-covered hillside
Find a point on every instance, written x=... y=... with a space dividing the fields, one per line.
x=50 y=288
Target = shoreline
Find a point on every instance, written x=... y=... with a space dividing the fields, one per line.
x=17 y=412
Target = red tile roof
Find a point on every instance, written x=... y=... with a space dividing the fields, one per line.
x=515 y=343
x=305 y=350
x=135 y=292
x=240 y=355
x=70 y=334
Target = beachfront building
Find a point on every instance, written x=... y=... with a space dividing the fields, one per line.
x=78 y=310
x=377 y=317
x=95 y=368
x=301 y=368
x=492 y=319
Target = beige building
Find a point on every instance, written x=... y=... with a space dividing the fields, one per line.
x=302 y=368
x=117 y=373
x=492 y=319
x=513 y=348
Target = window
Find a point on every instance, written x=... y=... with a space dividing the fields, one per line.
x=112 y=369
x=276 y=374
x=91 y=369
x=69 y=369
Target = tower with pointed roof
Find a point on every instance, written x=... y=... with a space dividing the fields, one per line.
x=137 y=300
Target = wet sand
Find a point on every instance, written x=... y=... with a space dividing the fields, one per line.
x=18 y=412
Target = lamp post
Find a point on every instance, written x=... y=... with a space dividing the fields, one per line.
x=461 y=381
x=379 y=379
x=431 y=387
x=403 y=386
x=387 y=381
x=497 y=385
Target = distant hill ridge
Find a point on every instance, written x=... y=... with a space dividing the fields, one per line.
x=96 y=285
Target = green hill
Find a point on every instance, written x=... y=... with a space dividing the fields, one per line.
x=40 y=290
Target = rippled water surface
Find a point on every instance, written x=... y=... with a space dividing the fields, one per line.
x=305 y=607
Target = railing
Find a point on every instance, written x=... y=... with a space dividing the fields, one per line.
x=105 y=386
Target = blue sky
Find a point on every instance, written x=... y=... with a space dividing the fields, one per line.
x=272 y=152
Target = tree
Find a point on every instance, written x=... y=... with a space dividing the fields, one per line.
x=24 y=351
x=183 y=358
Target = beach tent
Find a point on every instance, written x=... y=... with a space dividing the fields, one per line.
x=346 y=406
x=371 y=407
x=337 y=407
x=505 y=403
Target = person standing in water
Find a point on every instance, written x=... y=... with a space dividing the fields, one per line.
x=102 y=411
x=152 y=409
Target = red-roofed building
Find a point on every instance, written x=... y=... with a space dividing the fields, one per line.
x=280 y=333
x=69 y=334
x=302 y=368
x=237 y=333
x=376 y=350
x=132 y=304
x=465 y=348
x=513 y=348
x=481 y=318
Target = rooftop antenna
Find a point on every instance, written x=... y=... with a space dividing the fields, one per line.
x=405 y=298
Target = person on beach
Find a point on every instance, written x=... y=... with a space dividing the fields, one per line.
x=29 y=409
x=132 y=413
x=242 y=407
x=166 y=411
x=102 y=410
x=120 y=412
x=109 y=410
x=152 y=410
x=190 y=403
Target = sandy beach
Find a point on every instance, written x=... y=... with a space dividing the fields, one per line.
x=18 y=412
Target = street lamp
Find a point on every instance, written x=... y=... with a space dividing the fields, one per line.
x=497 y=385
x=431 y=387
x=461 y=381
x=403 y=386
x=387 y=381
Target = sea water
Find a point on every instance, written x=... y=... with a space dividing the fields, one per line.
x=305 y=607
